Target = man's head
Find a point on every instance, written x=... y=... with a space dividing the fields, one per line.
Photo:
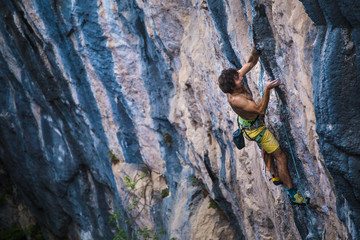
x=227 y=79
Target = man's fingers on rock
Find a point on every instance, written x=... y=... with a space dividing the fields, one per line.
x=277 y=81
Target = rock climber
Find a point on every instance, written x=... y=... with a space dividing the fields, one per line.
x=251 y=121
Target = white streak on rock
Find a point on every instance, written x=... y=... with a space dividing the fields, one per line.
x=11 y=60
x=36 y=112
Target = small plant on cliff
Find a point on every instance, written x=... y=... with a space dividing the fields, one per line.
x=213 y=204
x=147 y=233
x=130 y=183
x=198 y=182
x=120 y=234
x=114 y=217
x=167 y=139
x=134 y=204
x=35 y=232
x=13 y=233
x=194 y=181
x=141 y=233
x=114 y=160
x=144 y=233
x=165 y=193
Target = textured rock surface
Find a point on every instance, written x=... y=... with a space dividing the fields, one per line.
x=80 y=79
x=336 y=88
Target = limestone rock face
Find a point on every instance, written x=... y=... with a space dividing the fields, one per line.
x=112 y=123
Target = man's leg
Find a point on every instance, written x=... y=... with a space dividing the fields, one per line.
x=269 y=163
x=282 y=165
x=271 y=146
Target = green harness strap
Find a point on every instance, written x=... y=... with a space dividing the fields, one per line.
x=247 y=124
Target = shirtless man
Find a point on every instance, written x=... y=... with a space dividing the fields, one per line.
x=251 y=120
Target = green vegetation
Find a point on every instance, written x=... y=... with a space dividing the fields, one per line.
x=17 y=233
x=147 y=233
x=141 y=233
x=213 y=204
x=13 y=233
x=144 y=233
x=130 y=183
x=35 y=232
x=120 y=234
x=198 y=182
x=205 y=192
x=167 y=139
x=113 y=218
x=194 y=181
x=134 y=204
x=165 y=193
x=114 y=160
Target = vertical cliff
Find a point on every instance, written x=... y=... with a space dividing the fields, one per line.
x=112 y=123
x=336 y=88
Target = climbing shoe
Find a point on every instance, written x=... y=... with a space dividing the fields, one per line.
x=276 y=180
x=298 y=199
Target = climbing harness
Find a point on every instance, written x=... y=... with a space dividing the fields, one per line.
x=252 y=125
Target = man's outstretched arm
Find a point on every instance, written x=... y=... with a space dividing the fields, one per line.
x=251 y=62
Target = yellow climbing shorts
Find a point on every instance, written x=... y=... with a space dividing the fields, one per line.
x=268 y=141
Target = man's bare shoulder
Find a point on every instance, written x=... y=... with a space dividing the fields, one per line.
x=239 y=103
x=238 y=98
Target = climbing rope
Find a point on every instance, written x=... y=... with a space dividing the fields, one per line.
x=261 y=90
x=293 y=158
x=260 y=81
x=292 y=154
